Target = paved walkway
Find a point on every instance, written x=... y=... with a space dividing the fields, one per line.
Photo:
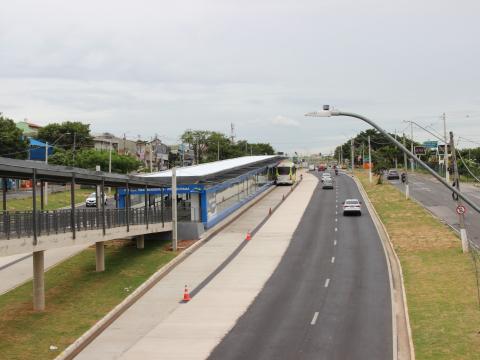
x=158 y=326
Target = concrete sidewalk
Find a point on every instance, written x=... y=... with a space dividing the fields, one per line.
x=159 y=326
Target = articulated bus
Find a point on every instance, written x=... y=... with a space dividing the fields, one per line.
x=286 y=173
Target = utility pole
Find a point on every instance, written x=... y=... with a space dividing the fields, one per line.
x=396 y=160
x=412 y=162
x=461 y=217
x=74 y=146
x=369 y=160
x=150 y=156
x=405 y=164
x=352 y=154
x=110 y=157
x=45 y=191
x=445 y=152
x=174 y=209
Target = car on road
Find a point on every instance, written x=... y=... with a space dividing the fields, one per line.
x=352 y=207
x=326 y=175
x=327 y=183
x=91 y=200
x=392 y=174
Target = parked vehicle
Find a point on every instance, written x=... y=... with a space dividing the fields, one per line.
x=286 y=173
x=92 y=200
x=392 y=174
x=327 y=183
x=352 y=207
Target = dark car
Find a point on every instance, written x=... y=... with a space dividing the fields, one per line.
x=392 y=174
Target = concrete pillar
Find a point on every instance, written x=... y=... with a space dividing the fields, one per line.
x=100 y=256
x=141 y=242
x=38 y=281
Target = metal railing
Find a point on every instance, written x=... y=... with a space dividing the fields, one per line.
x=21 y=223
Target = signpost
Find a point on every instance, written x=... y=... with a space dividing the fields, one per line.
x=420 y=150
x=431 y=144
x=461 y=209
x=441 y=149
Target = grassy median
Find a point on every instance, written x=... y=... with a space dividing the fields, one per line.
x=55 y=200
x=76 y=298
x=440 y=281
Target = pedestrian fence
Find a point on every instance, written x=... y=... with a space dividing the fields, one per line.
x=18 y=224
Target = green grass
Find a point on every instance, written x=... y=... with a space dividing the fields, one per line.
x=76 y=298
x=439 y=280
x=55 y=200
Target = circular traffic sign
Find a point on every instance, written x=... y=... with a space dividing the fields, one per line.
x=461 y=209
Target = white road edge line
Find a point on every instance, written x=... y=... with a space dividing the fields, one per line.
x=327 y=282
x=333 y=259
x=314 y=320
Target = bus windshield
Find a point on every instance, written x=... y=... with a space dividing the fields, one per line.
x=283 y=170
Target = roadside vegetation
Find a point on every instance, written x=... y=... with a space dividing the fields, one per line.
x=55 y=200
x=439 y=279
x=76 y=298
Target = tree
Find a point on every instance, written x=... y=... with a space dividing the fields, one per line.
x=12 y=142
x=198 y=140
x=90 y=158
x=64 y=135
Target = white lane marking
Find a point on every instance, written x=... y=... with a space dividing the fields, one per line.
x=314 y=320
x=327 y=282
x=336 y=206
x=336 y=212
x=333 y=259
x=334 y=242
x=336 y=229
x=336 y=219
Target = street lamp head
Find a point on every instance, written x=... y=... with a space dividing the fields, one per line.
x=326 y=111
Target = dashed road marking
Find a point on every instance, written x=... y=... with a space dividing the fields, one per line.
x=336 y=212
x=336 y=219
x=314 y=320
x=334 y=242
x=333 y=259
x=336 y=229
x=327 y=282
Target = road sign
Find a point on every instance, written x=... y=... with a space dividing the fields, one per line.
x=441 y=149
x=461 y=209
x=430 y=144
x=420 y=150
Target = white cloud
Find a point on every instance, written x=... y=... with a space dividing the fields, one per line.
x=284 y=121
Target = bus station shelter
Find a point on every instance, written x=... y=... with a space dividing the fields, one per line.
x=210 y=192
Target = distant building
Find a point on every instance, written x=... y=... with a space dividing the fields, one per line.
x=28 y=128
x=121 y=146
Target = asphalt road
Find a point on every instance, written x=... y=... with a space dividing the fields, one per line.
x=329 y=298
x=436 y=198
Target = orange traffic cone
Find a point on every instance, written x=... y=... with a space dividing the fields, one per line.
x=249 y=236
x=186 y=295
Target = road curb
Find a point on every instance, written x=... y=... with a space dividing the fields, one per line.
x=84 y=340
x=403 y=343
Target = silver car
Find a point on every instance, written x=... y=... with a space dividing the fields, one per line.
x=352 y=207
x=327 y=183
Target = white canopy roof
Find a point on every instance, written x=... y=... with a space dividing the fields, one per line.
x=212 y=167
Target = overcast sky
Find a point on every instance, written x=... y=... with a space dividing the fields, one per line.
x=160 y=67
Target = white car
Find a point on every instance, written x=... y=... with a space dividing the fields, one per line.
x=352 y=206
x=327 y=183
x=92 y=200
x=326 y=175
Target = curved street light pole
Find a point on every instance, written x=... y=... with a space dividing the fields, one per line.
x=328 y=113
